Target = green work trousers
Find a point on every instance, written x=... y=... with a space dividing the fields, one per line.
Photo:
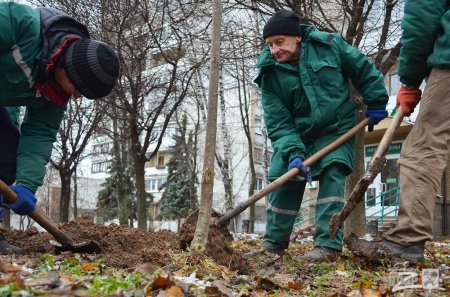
x=284 y=204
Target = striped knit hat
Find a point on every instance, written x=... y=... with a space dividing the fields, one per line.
x=92 y=67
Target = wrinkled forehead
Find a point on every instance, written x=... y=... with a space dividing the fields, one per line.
x=281 y=38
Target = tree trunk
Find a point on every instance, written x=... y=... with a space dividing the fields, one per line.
x=206 y=199
x=141 y=194
x=356 y=222
x=64 y=202
x=75 y=194
x=122 y=205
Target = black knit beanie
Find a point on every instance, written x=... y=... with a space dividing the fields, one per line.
x=92 y=67
x=283 y=22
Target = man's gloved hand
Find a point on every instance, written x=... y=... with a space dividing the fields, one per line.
x=25 y=203
x=375 y=116
x=407 y=99
x=298 y=162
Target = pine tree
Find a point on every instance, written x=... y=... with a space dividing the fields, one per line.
x=180 y=194
x=116 y=197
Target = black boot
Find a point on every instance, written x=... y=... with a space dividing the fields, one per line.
x=384 y=249
x=320 y=254
x=6 y=248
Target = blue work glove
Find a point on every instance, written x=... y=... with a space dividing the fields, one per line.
x=375 y=116
x=298 y=162
x=25 y=203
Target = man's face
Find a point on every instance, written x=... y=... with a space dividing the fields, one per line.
x=284 y=48
x=63 y=80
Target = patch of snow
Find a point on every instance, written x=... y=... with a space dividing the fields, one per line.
x=441 y=244
x=192 y=280
x=342 y=273
x=310 y=238
x=246 y=236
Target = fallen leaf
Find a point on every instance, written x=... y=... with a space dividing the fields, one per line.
x=174 y=291
x=88 y=267
x=354 y=293
x=161 y=282
x=5 y=267
x=296 y=285
x=370 y=292
x=212 y=291
x=340 y=266
x=13 y=279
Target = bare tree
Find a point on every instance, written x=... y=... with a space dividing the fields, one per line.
x=80 y=121
x=206 y=198
x=155 y=76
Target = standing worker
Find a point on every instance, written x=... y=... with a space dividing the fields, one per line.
x=304 y=80
x=425 y=53
x=46 y=58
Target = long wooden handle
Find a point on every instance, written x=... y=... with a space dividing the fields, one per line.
x=38 y=216
x=291 y=173
x=374 y=167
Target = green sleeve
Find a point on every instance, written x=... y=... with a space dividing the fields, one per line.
x=19 y=24
x=38 y=133
x=281 y=127
x=421 y=25
x=365 y=77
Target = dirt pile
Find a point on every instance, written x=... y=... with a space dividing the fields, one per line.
x=123 y=247
x=219 y=243
x=131 y=248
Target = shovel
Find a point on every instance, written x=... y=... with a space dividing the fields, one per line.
x=223 y=221
x=64 y=242
x=376 y=164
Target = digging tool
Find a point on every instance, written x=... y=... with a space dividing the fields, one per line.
x=64 y=242
x=376 y=164
x=223 y=221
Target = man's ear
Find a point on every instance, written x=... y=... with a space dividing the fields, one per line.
x=298 y=38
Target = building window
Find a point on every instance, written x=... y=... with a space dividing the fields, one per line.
x=269 y=157
x=258 y=126
x=260 y=184
x=154 y=184
x=258 y=156
x=160 y=161
x=100 y=166
x=102 y=148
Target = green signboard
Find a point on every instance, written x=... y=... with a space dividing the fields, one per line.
x=394 y=149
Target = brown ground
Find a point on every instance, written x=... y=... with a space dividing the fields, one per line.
x=129 y=248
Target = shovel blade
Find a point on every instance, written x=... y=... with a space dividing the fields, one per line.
x=88 y=247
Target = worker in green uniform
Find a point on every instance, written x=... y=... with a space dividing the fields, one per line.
x=304 y=78
x=46 y=58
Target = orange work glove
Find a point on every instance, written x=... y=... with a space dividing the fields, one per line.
x=408 y=99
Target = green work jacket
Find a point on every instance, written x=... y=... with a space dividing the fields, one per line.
x=28 y=38
x=307 y=105
x=425 y=39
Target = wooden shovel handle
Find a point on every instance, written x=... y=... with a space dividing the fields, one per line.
x=38 y=216
x=357 y=194
x=291 y=173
